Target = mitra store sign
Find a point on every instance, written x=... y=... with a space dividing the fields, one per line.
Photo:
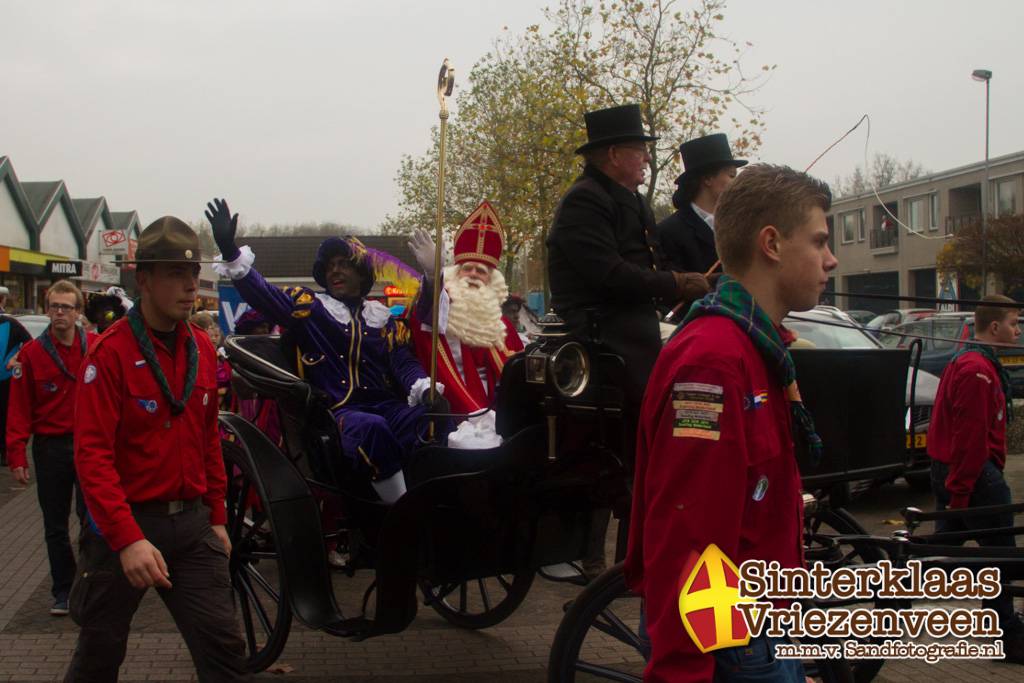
x=64 y=268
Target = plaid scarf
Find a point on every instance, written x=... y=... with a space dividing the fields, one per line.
x=149 y=353
x=1004 y=377
x=733 y=301
x=51 y=351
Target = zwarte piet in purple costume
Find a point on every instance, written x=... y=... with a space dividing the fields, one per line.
x=350 y=347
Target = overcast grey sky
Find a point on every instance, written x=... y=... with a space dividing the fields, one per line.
x=300 y=110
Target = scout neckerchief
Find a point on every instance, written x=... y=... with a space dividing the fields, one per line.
x=149 y=353
x=1004 y=377
x=733 y=301
x=51 y=351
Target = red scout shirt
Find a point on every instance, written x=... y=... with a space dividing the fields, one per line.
x=128 y=446
x=715 y=464
x=41 y=400
x=968 y=425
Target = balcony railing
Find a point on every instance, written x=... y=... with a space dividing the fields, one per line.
x=955 y=223
x=888 y=238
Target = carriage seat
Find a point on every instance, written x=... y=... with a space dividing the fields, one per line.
x=263 y=364
x=261 y=361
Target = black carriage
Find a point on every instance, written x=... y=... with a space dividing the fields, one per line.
x=474 y=526
x=858 y=400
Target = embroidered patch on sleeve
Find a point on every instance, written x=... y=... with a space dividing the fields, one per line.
x=302 y=302
x=697 y=407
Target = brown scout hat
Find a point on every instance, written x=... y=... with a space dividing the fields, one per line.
x=168 y=240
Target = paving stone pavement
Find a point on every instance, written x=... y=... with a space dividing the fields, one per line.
x=37 y=647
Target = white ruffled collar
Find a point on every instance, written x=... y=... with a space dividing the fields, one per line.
x=374 y=313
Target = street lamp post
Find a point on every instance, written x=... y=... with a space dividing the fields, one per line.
x=986 y=76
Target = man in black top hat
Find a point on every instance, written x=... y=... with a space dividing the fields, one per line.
x=687 y=236
x=603 y=254
x=605 y=264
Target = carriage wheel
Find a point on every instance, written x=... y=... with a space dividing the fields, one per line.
x=255 y=571
x=828 y=521
x=478 y=603
x=599 y=636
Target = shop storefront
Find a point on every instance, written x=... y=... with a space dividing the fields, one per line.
x=27 y=274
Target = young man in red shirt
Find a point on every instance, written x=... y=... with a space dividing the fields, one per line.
x=967 y=443
x=715 y=454
x=147 y=451
x=42 y=405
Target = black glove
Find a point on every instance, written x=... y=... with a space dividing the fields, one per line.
x=224 y=226
x=439 y=406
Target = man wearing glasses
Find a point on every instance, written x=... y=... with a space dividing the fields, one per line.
x=605 y=264
x=42 y=405
x=603 y=254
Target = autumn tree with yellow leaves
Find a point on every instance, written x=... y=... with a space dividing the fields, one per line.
x=519 y=115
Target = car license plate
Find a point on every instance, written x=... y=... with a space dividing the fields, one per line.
x=1012 y=360
x=920 y=440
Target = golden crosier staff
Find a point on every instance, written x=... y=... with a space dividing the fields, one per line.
x=445 y=84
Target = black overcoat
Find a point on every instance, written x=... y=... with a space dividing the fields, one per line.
x=687 y=241
x=603 y=254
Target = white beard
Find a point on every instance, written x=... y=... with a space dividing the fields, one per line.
x=475 y=313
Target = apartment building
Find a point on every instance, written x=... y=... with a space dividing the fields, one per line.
x=877 y=255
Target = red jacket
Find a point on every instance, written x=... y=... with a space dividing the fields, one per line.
x=968 y=424
x=714 y=431
x=42 y=397
x=128 y=446
x=465 y=392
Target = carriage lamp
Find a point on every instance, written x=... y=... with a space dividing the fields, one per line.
x=536 y=366
x=570 y=369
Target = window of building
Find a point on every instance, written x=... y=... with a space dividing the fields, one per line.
x=933 y=213
x=848 y=221
x=1006 y=196
x=861 y=226
x=916 y=217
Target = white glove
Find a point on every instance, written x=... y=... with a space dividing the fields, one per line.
x=423 y=249
x=419 y=392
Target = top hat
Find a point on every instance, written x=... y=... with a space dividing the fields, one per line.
x=706 y=152
x=616 y=124
x=167 y=240
x=480 y=237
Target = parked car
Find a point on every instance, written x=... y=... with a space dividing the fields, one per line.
x=33 y=322
x=937 y=352
x=897 y=316
x=861 y=317
x=827 y=327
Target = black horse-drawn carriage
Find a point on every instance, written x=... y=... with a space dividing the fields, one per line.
x=471 y=532
x=476 y=525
